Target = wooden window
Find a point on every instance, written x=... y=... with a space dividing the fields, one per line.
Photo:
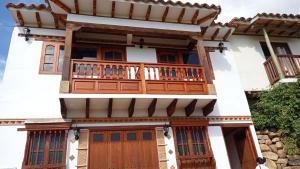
x=52 y=58
x=45 y=149
x=279 y=49
x=168 y=57
x=113 y=54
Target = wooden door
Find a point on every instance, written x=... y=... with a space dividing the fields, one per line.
x=98 y=141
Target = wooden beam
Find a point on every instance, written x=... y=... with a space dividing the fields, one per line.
x=189 y=109
x=20 y=18
x=248 y=28
x=94 y=7
x=38 y=19
x=225 y=38
x=207 y=17
x=191 y=44
x=294 y=24
x=87 y=108
x=109 y=108
x=181 y=15
x=280 y=24
x=62 y=20
x=172 y=107
x=209 y=107
x=62 y=6
x=131 y=10
x=113 y=8
x=131 y=107
x=55 y=18
x=63 y=107
x=195 y=16
x=215 y=34
x=67 y=57
x=203 y=30
x=165 y=14
x=151 y=107
x=148 y=12
x=292 y=33
x=76 y=6
x=281 y=32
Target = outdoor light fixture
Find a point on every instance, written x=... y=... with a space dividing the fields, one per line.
x=166 y=130
x=221 y=47
x=142 y=41
x=76 y=133
x=27 y=33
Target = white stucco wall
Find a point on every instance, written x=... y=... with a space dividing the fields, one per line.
x=249 y=58
x=218 y=146
x=144 y=55
x=12 y=147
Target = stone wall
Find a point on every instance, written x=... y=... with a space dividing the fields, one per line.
x=272 y=148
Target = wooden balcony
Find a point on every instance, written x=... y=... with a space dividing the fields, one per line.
x=290 y=65
x=97 y=77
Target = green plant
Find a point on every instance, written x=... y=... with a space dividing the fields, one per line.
x=280 y=108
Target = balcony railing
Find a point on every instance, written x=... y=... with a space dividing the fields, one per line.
x=90 y=76
x=290 y=65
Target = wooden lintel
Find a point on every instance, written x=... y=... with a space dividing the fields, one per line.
x=109 y=108
x=76 y=6
x=152 y=107
x=206 y=18
x=38 y=19
x=181 y=15
x=63 y=107
x=94 y=7
x=225 y=38
x=203 y=30
x=87 y=108
x=165 y=14
x=190 y=108
x=148 y=12
x=62 y=6
x=209 y=107
x=20 y=18
x=172 y=107
x=131 y=10
x=113 y=8
x=195 y=16
x=131 y=107
x=215 y=34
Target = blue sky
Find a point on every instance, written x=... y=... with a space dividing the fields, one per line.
x=230 y=9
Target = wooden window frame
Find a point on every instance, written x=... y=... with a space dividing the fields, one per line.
x=101 y=52
x=55 y=59
x=46 y=149
x=177 y=54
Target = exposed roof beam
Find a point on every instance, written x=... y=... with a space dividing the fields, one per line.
x=172 y=107
x=109 y=108
x=225 y=38
x=203 y=30
x=94 y=7
x=181 y=15
x=76 y=6
x=280 y=24
x=248 y=28
x=62 y=19
x=215 y=34
x=55 y=17
x=270 y=31
x=189 y=109
x=87 y=108
x=131 y=107
x=20 y=18
x=62 y=6
x=281 y=32
x=294 y=24
x=165 y=14
x=148 y=12
x=113 y=8
x=131 y=10
x=292 y=33
x=209 y=107
x=191 y=44
x=195 y=16
x=151 y=108
x=63 y=107
x=38 y=19
x=206 y=18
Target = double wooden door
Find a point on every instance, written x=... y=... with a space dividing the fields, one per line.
x=134 y=149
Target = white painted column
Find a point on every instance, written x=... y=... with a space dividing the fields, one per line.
x=170 y=149
x=72 y=151
x=218 y=146
x=255 y=140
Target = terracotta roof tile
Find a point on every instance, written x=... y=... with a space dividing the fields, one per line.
x=32 y=6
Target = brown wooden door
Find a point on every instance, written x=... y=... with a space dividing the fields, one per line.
x=134 y=149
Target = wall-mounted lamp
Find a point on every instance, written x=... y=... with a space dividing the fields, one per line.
x=166 y=130
x=27 y=33
x=142 y=42
x=221 y=46
x=76 y=133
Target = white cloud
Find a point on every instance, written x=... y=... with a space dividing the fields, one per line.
x=249 y=8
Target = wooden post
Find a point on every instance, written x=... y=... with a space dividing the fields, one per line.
x=142 y=75
x=203 y=58
x=273 y=55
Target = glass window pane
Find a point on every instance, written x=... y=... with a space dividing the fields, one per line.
x=190 y=58
x=108 y=56
x=60 y=59
x=49 y=58
x=61 y=51
x=48 y=67
x=50 y=49
x=147 y=136
x=33 y=159
x=62 y=141
x=115 y=137
x=59 y=157
x=98 y=137
x=203 y=149
x=178 y=135
x=51 y=157
x=131 y=136
x=53 y=142
x=42 y=142
x=40 y=158
x=171 y=58
x=117 y=56
x=180 y=150
x=163 y=58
